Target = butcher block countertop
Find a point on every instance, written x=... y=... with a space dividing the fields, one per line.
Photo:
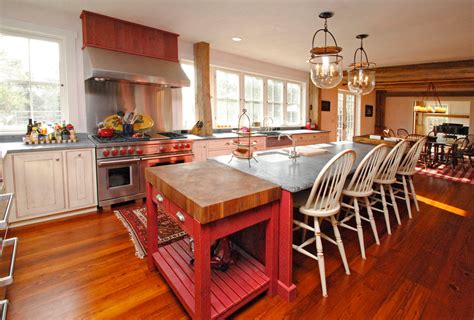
x=210 y=190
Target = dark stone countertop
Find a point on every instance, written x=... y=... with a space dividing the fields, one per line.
x=293 y=176
x=17 y=147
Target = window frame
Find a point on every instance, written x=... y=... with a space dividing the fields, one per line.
x=265 y=78
x=63 y=90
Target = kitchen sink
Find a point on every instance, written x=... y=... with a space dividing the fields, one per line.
x=270 y=133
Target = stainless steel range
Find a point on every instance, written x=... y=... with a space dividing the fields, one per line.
x=121 y=163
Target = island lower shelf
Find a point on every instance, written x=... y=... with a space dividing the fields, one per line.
x=230 y=289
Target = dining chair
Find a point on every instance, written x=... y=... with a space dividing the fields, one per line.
x=389 y=133
x=385 y=178
x=406 y=171
x=469 y=152
x=402 y=133
x=358 y=189
x=456 y=152
x=323 y=203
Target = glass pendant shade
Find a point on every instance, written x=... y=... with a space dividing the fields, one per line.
x=325 y=61
x=361 y=75
x=326 y=71
x=361 y=80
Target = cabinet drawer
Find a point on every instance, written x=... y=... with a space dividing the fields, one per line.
x=219 y=144
x=184 y=220
x=221 y=152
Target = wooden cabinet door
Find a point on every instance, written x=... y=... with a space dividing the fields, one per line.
x=200 y=150
x=39 y=183
x=80 y=173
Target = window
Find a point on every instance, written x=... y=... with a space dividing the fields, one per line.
x=188 y=98
x=293 y=109
x=227 y=106
x=275 y=101
x=235 y=91
x=254 y=97
x=30 y=81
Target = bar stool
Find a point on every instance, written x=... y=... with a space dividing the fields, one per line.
x=406 y=171
x=323 y=203
x=386 y=176
x=360 y=189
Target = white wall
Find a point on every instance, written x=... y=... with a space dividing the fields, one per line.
x=69 y=26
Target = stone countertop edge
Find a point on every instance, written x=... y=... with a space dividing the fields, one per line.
x=20 y=147
x=229 y=135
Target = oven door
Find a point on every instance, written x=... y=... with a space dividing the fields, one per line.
x=118 y=178
x=155 y=161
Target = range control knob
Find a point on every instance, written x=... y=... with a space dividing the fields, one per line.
x=115 y=152
x=175 y=146
x=123 y=151
x=106 y=153
x=131 y=151
x=188 y=145
x=139 y=151
x=182 y=146
x=162 y=149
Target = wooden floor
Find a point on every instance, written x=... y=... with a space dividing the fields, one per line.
x=85 y=268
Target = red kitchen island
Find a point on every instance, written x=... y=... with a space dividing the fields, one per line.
x=209 y=201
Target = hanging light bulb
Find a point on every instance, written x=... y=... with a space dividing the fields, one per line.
x=361 y=75
x=326 y=63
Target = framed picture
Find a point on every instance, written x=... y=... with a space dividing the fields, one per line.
x=325 y=105
x=369 y=110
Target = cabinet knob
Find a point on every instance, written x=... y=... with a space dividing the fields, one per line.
x=79 y=155
x=159 y=197
x=180 y=216
x=57 y=159
x=227 y=143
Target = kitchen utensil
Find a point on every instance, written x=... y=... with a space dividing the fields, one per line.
x=105 y=132
x=127 y=129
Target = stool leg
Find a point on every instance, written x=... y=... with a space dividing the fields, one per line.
x=385 y=209
x=413 y=193
x=394 y=204
x=360 y=232
x=372 y=221
x=319 y=250
x=304 y=230
x=407 y=196
x=340 y=245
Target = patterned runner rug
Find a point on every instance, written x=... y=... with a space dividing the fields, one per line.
x=446 y=172
x=135 y=220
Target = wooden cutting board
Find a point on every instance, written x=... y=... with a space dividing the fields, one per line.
x=209 y=190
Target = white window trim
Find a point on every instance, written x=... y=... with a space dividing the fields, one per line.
x=70 y=103
x=265 y=78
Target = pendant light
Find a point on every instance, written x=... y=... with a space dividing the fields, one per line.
x=361 y=75
x=326 y=63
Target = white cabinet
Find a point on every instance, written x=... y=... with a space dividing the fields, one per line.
x=51 y=182
x=80 y=175
x=39 y=183
x=200 y=150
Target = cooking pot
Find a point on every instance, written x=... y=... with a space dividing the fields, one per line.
x=105 y=132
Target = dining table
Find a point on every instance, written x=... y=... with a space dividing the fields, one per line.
x=293 y=176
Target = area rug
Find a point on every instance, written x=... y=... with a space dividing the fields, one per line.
x=134 y=218
x=446 y=172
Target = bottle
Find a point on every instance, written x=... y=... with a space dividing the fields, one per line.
x=64 y=132
x=29 y=127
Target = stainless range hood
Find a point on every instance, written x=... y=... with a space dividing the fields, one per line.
x=102 y=64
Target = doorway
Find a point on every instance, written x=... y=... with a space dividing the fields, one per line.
x=346 y=105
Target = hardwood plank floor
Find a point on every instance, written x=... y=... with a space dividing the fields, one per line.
x=85 y=268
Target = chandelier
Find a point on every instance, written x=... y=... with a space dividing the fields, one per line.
x=326 y=63
x=361 y=75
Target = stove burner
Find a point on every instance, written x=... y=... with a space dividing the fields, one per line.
x=173 y=135
x=118 y=137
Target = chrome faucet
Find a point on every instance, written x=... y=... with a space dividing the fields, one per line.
x=293 y=154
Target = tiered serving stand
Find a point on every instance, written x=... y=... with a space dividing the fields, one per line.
x=244 y=145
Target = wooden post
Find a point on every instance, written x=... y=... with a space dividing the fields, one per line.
x=380 y=96
x=203 y=86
